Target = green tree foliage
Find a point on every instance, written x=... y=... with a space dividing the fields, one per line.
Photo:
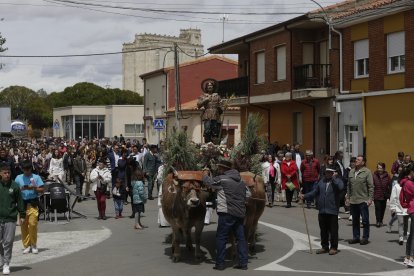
x=37 y=107
x=2 y=49
x=85 y=93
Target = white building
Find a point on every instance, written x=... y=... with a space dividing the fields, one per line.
x=73 y=122
x=139 y=58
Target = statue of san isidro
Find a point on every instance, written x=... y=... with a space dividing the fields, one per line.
x=212 y=108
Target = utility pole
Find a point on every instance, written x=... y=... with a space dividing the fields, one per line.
x=177 y=86
x=224 y=18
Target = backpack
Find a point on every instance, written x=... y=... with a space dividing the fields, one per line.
x=403 y=200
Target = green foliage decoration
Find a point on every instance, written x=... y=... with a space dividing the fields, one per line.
x=247 y=155
x=180 y=153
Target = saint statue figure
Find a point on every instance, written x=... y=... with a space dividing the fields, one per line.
x=212 y=108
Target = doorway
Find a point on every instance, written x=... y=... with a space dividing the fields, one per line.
x=351 y=143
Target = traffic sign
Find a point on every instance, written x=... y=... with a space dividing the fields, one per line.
x=56 y=124
x=159 y=124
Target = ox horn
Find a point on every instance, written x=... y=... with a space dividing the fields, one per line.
x=176 y=182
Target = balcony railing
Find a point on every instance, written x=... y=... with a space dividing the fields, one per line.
x=237 y=87
x=312 y=76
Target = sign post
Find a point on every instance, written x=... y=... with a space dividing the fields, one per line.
x=159 y=124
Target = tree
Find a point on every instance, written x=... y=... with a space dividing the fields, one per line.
x=2 y=49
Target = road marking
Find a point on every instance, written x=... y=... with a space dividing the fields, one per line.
x=300 y=243
x=58 y=244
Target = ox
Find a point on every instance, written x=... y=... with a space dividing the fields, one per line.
x=184 y=207
x=254 y=208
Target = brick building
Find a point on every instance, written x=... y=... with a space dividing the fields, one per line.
x=378 y=83
x=336 y=78
x=289 y=79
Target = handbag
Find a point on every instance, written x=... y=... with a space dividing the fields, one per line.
x=290 y=186
x=104 y=187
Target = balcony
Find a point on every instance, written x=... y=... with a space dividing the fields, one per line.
x=312 y=81
x=312 y=76
x=237 y=87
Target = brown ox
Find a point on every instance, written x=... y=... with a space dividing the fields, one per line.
x=254 y=207
x=183 y=204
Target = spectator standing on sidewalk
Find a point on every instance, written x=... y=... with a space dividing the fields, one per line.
x=11 y=203
x=381 y=192
x=150 y=168
x=327 y=193
x=101 y=179
x=310 y=170
x=397 y=211
x=31 y=185
x=79 y=172
x=360 y=195
x=407 y=200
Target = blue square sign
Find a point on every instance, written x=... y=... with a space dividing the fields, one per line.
x=159 y=124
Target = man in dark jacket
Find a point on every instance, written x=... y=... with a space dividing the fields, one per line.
x=79 y=170
x=11 y=203
x=327 y=194
x=150 y=168
x=231 y=210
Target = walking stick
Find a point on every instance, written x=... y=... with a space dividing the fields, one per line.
x=306 y=224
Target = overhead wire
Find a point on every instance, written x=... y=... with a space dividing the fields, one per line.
x=213 y=20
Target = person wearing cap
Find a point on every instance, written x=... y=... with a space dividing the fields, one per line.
x=101 y=179
x=310 y=170
x=231 y=210
x=11 y=203
x=150 y=168
x=327 y=193
x=31 y=185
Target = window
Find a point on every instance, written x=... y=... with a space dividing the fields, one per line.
x=260 y=63
x=396 y=52
x=361 y=57
x=281 y=63
x=134 y=129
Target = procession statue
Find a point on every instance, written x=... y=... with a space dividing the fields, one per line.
x=212 y=107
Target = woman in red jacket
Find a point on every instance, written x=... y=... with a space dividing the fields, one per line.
x=289 y=172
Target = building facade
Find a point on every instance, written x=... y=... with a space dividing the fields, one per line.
x=286 y=75
x=159 y=96
x=74 y=122
x=378 y=83
x=150 y=52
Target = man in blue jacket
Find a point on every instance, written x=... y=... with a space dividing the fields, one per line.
x=327 y=194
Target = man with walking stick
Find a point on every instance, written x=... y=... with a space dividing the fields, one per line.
x=327 y=193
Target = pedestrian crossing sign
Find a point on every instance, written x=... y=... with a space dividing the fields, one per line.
x=159 y=124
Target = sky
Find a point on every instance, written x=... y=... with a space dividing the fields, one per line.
x=65 y=27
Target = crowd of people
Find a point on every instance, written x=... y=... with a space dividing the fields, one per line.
x=332 y=185
x=128 y=170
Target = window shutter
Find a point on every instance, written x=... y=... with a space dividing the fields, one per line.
x=396 y=44
x=260 y=59
x=281 y=63
x=361 y=49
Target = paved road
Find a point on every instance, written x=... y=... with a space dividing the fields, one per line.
x=92 y=247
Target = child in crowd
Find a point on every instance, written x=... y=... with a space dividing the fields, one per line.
x=394 y=181
x=139 y=196
x=399 y=211
x=118 y=193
